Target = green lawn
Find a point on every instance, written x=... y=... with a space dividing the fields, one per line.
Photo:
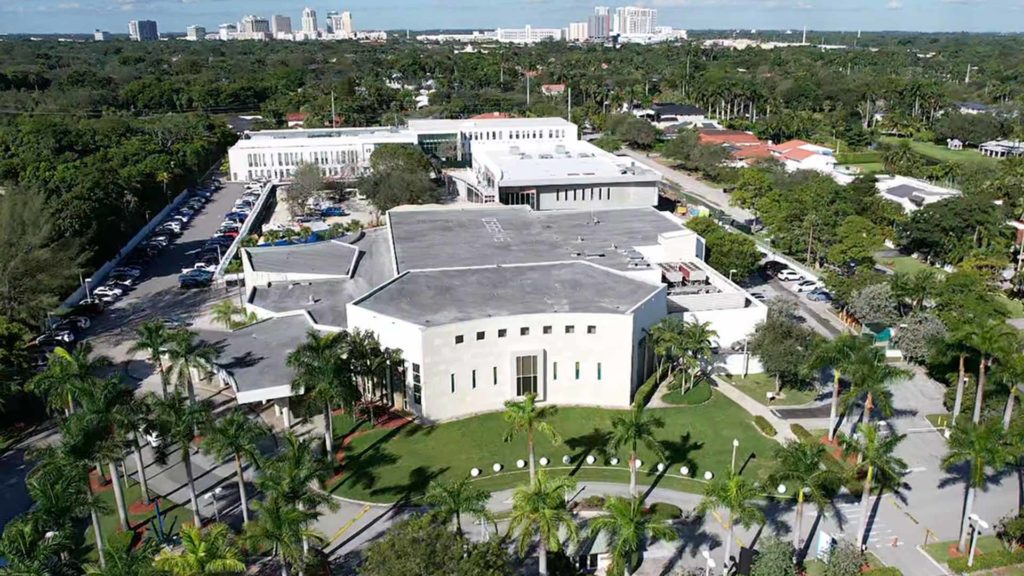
x=385 y=465
x=905 y=264
x=867 y=167
x=174 y=515
x=695 y=396
x=757 y=387
x=940 y=550
x=938 y=420
x=940 y=153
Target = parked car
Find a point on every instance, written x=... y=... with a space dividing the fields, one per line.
x=759 y=296
x=330 y=211
x=170 y=227
x=808 y=285
x=200 y=266
x=819 y=295
x=57 y=337
x=195 y=279
x=107 y=289
x=75 y=322
x=174 y=322
x=789 y=275
x=228 y=232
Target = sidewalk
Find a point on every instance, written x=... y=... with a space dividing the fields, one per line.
x=755 y=408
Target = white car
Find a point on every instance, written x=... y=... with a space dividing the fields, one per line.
x=152 y=438
x=199 y=266
x=789 y=275
x=808 y=285
x=108 y=291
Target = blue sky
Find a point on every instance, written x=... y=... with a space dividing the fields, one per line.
x=174 y=15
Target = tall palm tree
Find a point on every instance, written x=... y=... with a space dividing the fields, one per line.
x=629 y=528
x=284 y=529
x=876 y=459
x=633 y=430
x=188 y=354
x=871 y=380
x=1010 y=373
x=984 y=447
x=176 y=419
x=525 y=417
x=68 y=371
x=665 y=338
x=124 y=558
x=94 y=431
x=455 y=498
x=133 y=417
x=837 y=355
x=58 y=492
x=29 y=547
x=153 y=338
x=236 y=436
x=989 y=340
x=959 y=342
x=325 y=377
x=209 y=552
x=697 y=340
x=801 y=465
x=737 y=496
x=224 y=312
x=539 y=511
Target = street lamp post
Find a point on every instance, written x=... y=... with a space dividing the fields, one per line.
x=731 y=272
x=735 y=445
x=977 y=525
x=212 y=495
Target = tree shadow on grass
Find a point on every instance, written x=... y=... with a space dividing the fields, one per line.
x=692 y=537
x=419 y=478
x=362 y=469
x=594 y=443
x=680 y=452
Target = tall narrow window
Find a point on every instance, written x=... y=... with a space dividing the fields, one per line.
x=453 y=383
x=554 y=370
x=494 y=375
x=577 y=374
x=526 y=375
x=598 y=370
x=417 y=385
x=598 y=375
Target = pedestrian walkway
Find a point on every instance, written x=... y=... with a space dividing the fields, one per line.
x=755 y=408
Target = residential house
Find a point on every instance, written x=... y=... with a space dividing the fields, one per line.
x=1002 y=148
x=552 y=89
x=912 y=193
x=954 y=144
x=972 y=108
x=745 y=147
x=799 y=155
x=296 y=119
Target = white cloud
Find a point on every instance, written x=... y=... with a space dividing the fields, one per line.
x=894 y=4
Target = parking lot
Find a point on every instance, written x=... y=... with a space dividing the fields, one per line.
x=157 y=292
x=818 y=315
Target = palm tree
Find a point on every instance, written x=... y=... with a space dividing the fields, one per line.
x=629 y=528
x=28 y=547
x=455 y=498
x=134 y=416
x=633 y=430
x=210 y=552
x=875 y=453
x=837 y=355
x=224 y=313
x=697 y=339
x=959 y=342
x=124 y=558
x=1010 y=373
x=67 y=373
x=665 y=338
x=801 y=464
x=153 y=338
x=871 y=379
x=187 y=354
x=988 y=340
x=176 y=420
x=524 y=416
x=539 y=510
x=94 y=432
x=284 y=529
x=984 y=448
x=325 y=377
x=236 y=435
x=736 y=496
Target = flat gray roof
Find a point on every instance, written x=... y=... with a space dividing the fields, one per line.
x=326 y=299
x=437 y=297
x=327 y=258
x=255 y=355
x=455 y=238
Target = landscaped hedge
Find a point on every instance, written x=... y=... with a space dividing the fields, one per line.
x=662 y=511
x=883 y=571
x=800 y=432
x=764 y=426
x=986 y=561
x=646 y=390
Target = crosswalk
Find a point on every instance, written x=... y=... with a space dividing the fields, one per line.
x=879 y=533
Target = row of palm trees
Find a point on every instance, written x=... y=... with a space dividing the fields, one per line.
x=340 y=370
x=683 y=344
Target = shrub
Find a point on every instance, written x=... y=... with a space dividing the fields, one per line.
x=987 y=561
x=595 y=502
x=801 y=433
x=844 y=560
x=774 y=558
x=1011 y=532
x=764 y=426
x=664 y=511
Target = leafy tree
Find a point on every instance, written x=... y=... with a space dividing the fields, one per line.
x=874 y=304
x=631 y=130
x=951 y=230
x=918 y=335
x=900 y=158
x=985 y=449
x=859 y=239
x=753 y=185
x=539 y=511
x=28 y=547
x=424 y=545
x=845 y=559
x=633 y=430
x=629 y=529
x=783 y=346
x=525 y=417
x=969 y=128
x=455 y=498
x=837 y=354
x=237 y=436
x=400 y=175
x=737 y=497
x=209 y=552
x=774 y=558
x=68 y=372
x=608 y=143
x=307 y=181
x=876 y=459
x=283 y=528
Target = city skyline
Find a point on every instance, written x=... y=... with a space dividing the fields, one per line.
x=83 y=16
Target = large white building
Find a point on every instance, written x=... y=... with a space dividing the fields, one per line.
x=634 y=20
x=487 y=304
x=195 y=33
x=578 y=32
x=599 y=25
x=310 y=29
x=527 y=34
x=345 y=152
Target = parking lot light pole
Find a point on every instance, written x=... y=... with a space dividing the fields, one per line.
x=212 y=495
x=735 y=445
x=731 y=272
x=977 y=525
